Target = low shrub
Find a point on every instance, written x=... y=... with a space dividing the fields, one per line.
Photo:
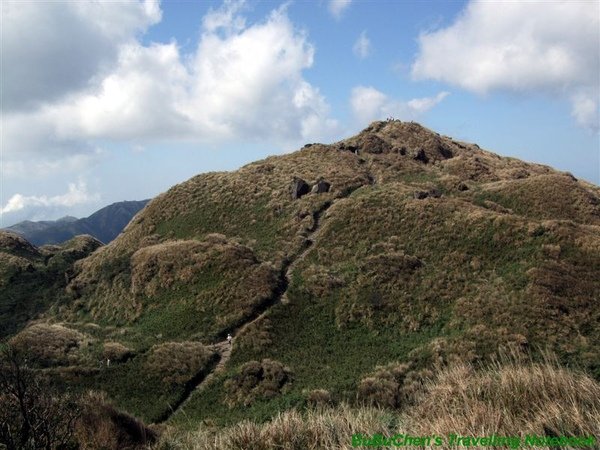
x=265 y=379
x=393 y=385
x=102 y=426
x=48 y=345
x=319 y=398
x=178 y=362
x=116 y=352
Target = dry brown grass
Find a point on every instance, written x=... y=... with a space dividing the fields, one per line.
x=321 y=280
x=325 y=428
x=11 y=265
x=117 y=352
x=179 y=362
x=392 y=386
x=215 y=274
x=160 y=266
x=13 y=243
x=102 y=426
x=477 y=344
x=256 y=336
x=548 y=196
x=318 y=398
x=254 y=205
x=254 y=379
x=507 y=256
x=509 y=399
x=49 y=344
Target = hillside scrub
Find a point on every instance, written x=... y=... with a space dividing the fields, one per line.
x=178 y=362
x=186 y=283
x=317 y=429
x=256 y=380
x=48 y=345
x=393 y=386
x=511 y=398
x=32 y=279
x=102 y=426
x=116 y=352
x=159 y=266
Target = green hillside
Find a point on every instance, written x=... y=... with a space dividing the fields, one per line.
x=353 y=271
x=32 y=279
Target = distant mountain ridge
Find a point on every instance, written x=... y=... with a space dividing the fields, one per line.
x=105 y=225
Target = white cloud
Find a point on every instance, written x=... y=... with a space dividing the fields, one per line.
x=585 y=110
x=225 y=18
x=424 y=104
x=337 y=7
x=48 y=167
x=249 y=83
x=369 y=104
x=50 y=49
x=362 y=46
x=550 y=47
x=243 y=81
x=76 y=194
x=139 y=98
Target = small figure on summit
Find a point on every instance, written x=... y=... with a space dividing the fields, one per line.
x=229 y=338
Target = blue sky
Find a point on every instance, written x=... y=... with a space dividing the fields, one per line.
x=111 y=101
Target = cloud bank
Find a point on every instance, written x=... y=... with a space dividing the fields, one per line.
x=77 y=194
x=520 y=47
x=242 y=81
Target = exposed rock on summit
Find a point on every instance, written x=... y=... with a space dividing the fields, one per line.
x=298 y=188
x=320 y=187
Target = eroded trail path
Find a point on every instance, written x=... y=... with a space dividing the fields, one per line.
x=223 y=348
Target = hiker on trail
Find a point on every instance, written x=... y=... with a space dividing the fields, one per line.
x=229 y=338
x=107 y=362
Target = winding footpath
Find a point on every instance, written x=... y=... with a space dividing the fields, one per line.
x=224 y=348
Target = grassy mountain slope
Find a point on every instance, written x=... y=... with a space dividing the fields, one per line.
x=422 y=251
x=32 y=279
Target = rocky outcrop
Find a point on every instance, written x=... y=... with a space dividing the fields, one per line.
x=320 y=187
x=433 y=193
x=421 y=156
x=298 y=188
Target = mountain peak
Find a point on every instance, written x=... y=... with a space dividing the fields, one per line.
x=404 y=139
x=395 y=248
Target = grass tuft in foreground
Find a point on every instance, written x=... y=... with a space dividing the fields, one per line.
x=512 y=398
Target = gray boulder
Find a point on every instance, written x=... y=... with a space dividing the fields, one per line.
x=298 y=188
x=421 y=156
x=321 y=187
